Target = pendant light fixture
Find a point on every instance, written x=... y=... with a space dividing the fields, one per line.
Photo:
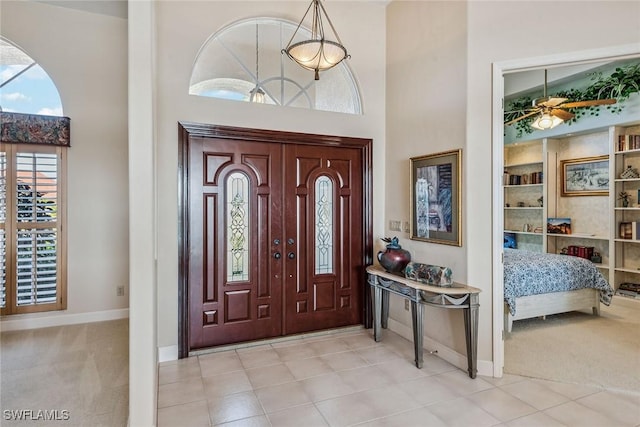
x=257 y=94
x=317 y=53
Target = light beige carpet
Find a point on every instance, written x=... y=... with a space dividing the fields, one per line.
x=579 y=348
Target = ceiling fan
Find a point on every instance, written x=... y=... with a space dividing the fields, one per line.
x=553 y=111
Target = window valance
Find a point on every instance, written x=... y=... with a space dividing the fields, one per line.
x=18 y=128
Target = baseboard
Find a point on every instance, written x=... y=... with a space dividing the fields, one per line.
x=485 y=367
x=168 y=353
x=30 y=321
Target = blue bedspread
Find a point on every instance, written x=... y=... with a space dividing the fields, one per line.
x=533 y=273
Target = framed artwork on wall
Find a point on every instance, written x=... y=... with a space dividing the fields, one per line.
x=435 y=198
x=588 y=176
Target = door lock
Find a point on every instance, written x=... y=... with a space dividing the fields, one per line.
x=291 y=255
x=277 y=255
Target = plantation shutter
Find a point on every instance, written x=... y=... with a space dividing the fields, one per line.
x=31 y=247
x=37 y=248
x=3 y=235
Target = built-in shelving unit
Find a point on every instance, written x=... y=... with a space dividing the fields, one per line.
x=627 y=250
x=595 y=219
x=523 y=183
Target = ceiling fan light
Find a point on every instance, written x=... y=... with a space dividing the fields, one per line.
x=546 y=121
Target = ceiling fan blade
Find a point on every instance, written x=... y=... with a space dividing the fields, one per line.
x=552 y=102
x=527 y=110
x=564 y=115
x=593 y=102
x=521 y=117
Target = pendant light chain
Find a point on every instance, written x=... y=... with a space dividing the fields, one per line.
x=257 y=47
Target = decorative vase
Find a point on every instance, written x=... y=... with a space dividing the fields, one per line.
x=394 y=259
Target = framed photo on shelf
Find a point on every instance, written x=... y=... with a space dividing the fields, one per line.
x=435 y=198
x=588 y=176
x=510 y=240
x=559 y=225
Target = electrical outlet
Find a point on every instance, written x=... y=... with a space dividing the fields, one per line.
x=406 y=304
x=406 y=226
x=394 y=225
x=120 y=291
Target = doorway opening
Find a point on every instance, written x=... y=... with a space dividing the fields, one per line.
x=499 y=71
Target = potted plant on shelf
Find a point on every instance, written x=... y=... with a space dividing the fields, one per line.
x=625 y=198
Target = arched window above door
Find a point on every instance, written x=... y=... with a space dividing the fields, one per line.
x=245 y=57
x=25 y=87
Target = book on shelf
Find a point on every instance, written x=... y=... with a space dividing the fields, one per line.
x=628 y=142
x=580 y=251
x=630 y=287
x=531 y=178
x=628 y=294
x=629 y=230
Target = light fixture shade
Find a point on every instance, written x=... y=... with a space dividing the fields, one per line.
x=317 y=53
x=546 y=121
x=257 y=95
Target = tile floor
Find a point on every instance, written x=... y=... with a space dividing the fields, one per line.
x=346 y=379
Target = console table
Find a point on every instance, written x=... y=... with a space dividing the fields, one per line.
x=457 y=296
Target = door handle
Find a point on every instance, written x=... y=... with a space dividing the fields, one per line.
x=291 y=255
x=277 y=255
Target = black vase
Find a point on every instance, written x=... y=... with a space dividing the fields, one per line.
x=394 y=259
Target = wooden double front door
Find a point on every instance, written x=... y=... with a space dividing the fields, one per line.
x=278 y=233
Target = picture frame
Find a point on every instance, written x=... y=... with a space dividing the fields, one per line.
x=558 y=225
x=510 y=240
x=436 y=183
x=587 y=176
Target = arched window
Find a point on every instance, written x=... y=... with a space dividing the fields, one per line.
x=245 y=58
x=32 y=187
x=24 y=86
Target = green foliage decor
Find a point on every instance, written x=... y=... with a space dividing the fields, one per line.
x=623 y=82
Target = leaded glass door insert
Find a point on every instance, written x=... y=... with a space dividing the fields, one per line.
x=237 y=227
x=324 y=225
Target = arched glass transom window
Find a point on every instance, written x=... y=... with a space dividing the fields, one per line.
x=246 y=57
x=24 y=86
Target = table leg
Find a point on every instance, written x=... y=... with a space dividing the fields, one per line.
x=385 y=309
x=377 y=312
x=471 y=333
x=417 y=311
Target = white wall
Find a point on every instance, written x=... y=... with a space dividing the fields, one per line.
x=85 y=54
x=439 y=92
x=426 y=113
x=183 y=27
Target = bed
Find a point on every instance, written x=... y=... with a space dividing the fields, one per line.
x=540 y=284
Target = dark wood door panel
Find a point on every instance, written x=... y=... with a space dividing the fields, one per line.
x=285 y=290
x=332 y=298
x=234 y=296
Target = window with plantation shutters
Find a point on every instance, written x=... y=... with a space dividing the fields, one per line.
x=32 y=245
